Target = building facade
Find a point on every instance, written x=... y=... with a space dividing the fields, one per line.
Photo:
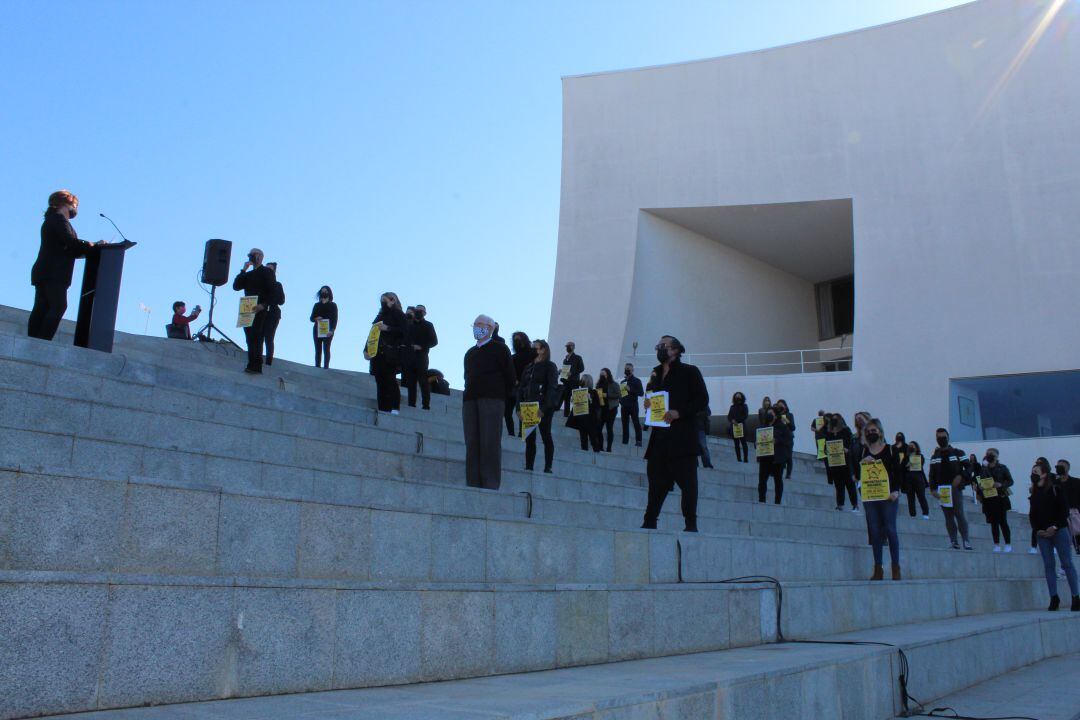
x=887 y=220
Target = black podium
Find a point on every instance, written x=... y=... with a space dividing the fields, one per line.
x=96 y=322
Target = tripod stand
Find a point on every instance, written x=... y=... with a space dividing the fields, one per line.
x=209 y=327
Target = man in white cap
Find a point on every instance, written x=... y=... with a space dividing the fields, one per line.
x=489 y=378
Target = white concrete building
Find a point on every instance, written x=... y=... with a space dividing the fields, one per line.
x=901 y=202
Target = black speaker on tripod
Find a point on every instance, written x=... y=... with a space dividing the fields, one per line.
x=215 y=273
x=215 y=262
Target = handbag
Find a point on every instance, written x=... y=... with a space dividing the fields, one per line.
x=1074 y=522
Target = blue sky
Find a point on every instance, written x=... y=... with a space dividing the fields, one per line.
x=371 y=146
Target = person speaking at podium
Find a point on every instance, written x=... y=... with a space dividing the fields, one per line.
x=256 y=279
x=51 y=274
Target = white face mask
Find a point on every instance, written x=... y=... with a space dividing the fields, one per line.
x=479 y=332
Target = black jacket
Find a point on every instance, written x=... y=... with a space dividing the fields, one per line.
x=688 y=396
x=738 y=413
x=1001 y=475
x=277 y=300
x=945 y=464
x=891 y=462
x=1072 y=490
x=59 y=247
x=420 y=333
x=522 y=359
x=634 y=391
x=1049 y=506
x=326 y=311
x=489 y=372
x=394 y=335
x=577 y=366
x=540 y=383
x=783 y=443
x=257 y=281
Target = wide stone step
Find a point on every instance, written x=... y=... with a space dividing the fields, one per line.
x=790 y=680
x=83 y=524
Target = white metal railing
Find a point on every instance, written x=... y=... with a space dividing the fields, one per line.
x=764 y=362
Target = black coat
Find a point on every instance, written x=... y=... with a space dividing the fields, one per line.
x=257 y=281
x=394 y=335
x=59 y=247
x=489 y=372
x=1049 y=506
x=577 y=366
x=540 y=383
x=326 y=311
x=634 y=390
x=422 y=333
x=522 y=359
x=688 y=396
x=277 y=300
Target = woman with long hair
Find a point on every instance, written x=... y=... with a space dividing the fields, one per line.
x=325 y=309
x=1049 y=517
x=737 y=414
x=384 y=366
x=540 y=384
x=881 y=514
x=609 y=406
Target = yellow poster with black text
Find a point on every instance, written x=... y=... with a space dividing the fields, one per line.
x=564 y=373
x=819 y=422
x=324 y=328
x=737 y=430
x=834 y=452
x=764 y=445
x=530 y=417
x=875 y=481
x=658 y=409
x=821 y=448
x=945 y=495
x=602 y=397
x=246 y=316
x=987 y=487
x=914 y=463
x=623 y=390
x=371 y=349
x=579 y=399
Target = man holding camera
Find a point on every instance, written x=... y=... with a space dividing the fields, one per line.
x=256 y=279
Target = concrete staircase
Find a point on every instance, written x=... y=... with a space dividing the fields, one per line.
x=173 y=531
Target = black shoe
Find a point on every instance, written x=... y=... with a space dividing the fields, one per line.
x=528 y=468
x=1075 y=603
x=690 y=528
x=648 y=526
x=252 y=371
x=637 y=444
x=956 y=546
x=426 y=407
x=1055 y=603
x=547 y=470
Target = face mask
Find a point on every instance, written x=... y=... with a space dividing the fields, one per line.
x=74 y=212
x=943 y=442
x=1060 y=469
x=872 y=437
x=1035 y=477
x=628 y=373
x=569 y=348
x=661 y=354
x=479 y=333
x=990 y=459
x=324 y=296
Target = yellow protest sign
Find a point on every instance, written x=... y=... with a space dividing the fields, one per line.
x=623 y=390
x=914 y=463
x=371 y=349
x=246 y=316
x=564 y=372
x=819 y=422
x=821 y=448
x=324 y=328
x=987 y=487
x=601 y=395
x=658 y=408
x=530 y=417
x=875 y=481
x=737 y=430
x=765 y=445
x=834 y=452
x=945 y=495
x=579 y=399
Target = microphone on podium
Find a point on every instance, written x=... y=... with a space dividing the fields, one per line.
x=114 y=225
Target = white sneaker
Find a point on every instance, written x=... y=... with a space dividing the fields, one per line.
x=925 y=517
x=997 y=548
x=1033 y=551
x=855 y=510
x=1008 y=548
x=394 y=412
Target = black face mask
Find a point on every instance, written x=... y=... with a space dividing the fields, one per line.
x=569 y=349
x=661 y=355
x=324 y=296
x=628 y=373
x=1060 y=469
x=1035 y=477
x=943 y=442
x=989 y=459
x=872 y=437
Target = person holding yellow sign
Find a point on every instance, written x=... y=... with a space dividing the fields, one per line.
x=736 y=415
x=838 y=447
x=994 y=481
x=948 y=469
x=610 y=394
x=388 y=356
x=671 y=457
x=585 y=414
x=773 y=449
x=324 y=323
x=880 y=493
x=631 y=390
x=539 y=384
x=915 y=476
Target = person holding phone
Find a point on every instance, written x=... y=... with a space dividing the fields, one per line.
x=180 y=328
x=255 y=279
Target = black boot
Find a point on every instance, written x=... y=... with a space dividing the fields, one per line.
x=1055 y=603
x=1075 y=603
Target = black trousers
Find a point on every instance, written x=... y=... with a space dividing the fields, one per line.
x=664 y=474
x=608 y=414
x=269 y=331
x=567 y=389
x=765 y=470
x=629 y=414
x=918 y=491
x=841 y=480
x=742 y=450
x=254 y=337
x=544 y=431
x=387 y=390
x=589 y=433
x=322 y=351
x=50 y=304
x=415 y=373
